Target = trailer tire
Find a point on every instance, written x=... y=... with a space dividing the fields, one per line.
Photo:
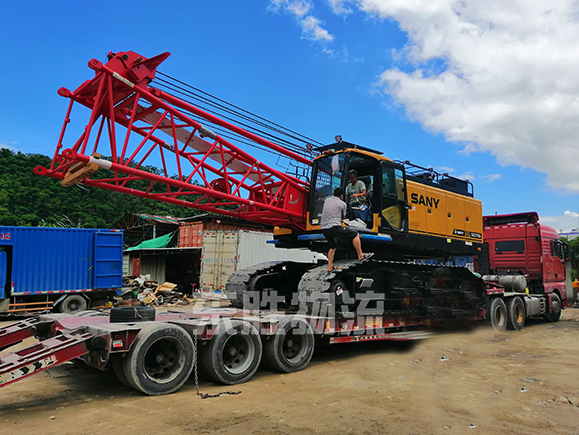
x=498 y=315
x=127 y=314
x=517 y=314
x=160 y=360
x=291 y=347
x=72 y=304
x=234 y=353
x=555 y=313
x=117 y=366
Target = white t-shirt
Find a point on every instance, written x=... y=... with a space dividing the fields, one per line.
x=332 y=213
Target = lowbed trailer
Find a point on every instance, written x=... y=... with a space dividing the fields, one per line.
x=156 y=353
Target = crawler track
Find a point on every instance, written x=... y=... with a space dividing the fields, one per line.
x=443 y=295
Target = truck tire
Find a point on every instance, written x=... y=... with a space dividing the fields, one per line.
x=127 y=314
x=234 y=353
x=72 y=304
x=517 y=314
x=291 y=347
x=555 y=313
x=498 y=315
x=160 y=360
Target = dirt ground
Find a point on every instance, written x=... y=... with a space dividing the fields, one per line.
x=457 y=383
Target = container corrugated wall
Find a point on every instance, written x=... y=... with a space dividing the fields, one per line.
x=52 y=259
x=191 y=235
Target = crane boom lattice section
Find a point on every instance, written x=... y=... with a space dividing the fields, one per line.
x=134 y=128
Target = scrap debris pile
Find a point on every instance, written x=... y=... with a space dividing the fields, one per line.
x=144 y=291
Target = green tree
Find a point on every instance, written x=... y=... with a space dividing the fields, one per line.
x=27 y=199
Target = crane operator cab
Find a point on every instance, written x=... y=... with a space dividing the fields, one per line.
x=374 y=188
x=422 y=211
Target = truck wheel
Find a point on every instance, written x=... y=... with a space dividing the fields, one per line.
x=233 y=354
x=555 y=313
x=291 y=348
x=72 y=304
x=516 y=310
x=117 y=366
x=160 y=360
x=126 y=314
x=498 y=315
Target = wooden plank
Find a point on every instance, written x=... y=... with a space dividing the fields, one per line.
x=71 y=178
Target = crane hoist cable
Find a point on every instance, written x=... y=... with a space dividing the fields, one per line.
x=248 y=120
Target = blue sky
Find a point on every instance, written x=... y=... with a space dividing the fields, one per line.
x=495 y=106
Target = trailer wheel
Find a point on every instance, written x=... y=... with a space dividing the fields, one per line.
x=126 y=314
x=234 y=353
x=160 y=360
x=291 y=348
x=555 y=313
x=117 y=366
x=72 y=304
x=498 y=315
x=516 y=310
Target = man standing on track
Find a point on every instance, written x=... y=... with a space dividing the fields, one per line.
x=332 y=214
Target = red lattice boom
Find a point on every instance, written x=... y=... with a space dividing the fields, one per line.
x=137 y=126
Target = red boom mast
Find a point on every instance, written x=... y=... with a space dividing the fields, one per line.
x=136 y=125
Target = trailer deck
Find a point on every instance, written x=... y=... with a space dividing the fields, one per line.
x=243 y=336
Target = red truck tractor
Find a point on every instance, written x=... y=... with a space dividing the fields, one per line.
x=527 y=260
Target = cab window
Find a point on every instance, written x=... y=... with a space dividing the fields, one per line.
x=329 y=174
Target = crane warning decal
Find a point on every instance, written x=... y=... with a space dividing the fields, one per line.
x=28 y=370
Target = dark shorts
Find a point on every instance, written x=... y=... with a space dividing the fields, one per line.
x=337 y=234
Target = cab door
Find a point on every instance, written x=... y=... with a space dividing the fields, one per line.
x=394 y=207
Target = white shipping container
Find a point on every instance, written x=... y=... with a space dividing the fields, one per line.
x=225 y=251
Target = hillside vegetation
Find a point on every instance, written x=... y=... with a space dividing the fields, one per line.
x=27 y=199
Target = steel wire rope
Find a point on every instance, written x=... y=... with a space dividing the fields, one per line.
x=233 y=109
x=269 y=136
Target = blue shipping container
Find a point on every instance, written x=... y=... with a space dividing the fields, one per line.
x=36 y=261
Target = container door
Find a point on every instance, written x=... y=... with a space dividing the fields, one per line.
x=108 y=260
x=3 y=270
x=218 y=260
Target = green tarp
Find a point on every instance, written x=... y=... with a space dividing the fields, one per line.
x=159 y=242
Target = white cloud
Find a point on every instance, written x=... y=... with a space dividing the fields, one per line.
x=299 y=8
x=444 y=169
x=312 y=27
x=505 y=81
x=9 y=145
x=491 y=177
x=339 y=7
x=562 y=223
x=469 y=176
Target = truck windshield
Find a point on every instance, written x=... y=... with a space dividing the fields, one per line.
x=329 y=175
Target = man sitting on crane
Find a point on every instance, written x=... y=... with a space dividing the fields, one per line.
x=355 y=193
x=332 y=214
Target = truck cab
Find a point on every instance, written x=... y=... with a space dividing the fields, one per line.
x=520 y=245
